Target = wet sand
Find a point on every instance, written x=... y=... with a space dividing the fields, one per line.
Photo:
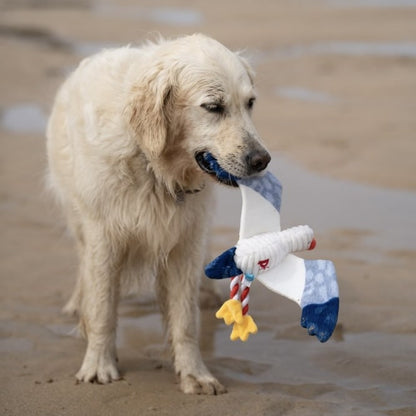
x=337 y=99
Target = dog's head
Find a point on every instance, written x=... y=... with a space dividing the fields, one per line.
x=197 y=100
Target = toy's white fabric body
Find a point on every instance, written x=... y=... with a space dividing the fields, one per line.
x=263 y=252
x=259 y=216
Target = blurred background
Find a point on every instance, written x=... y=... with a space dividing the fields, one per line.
x=336 y=106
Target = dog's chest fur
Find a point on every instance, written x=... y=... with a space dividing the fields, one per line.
x=154 y=218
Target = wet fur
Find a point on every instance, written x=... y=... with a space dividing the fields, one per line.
x=122 y=139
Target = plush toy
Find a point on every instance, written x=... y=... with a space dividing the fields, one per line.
x=264 y=253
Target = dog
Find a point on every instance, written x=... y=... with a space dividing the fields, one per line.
x=126 y=141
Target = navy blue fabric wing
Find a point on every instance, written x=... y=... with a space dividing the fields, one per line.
x=223 y=266
x=320 y=320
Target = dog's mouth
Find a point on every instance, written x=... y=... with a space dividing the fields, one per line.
x=210 y=165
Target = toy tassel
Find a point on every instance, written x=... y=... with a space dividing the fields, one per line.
x=235 y=310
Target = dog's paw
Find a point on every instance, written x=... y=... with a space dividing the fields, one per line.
x=100 y=368
x=191 y=384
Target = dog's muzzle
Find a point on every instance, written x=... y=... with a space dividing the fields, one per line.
x=256 y=161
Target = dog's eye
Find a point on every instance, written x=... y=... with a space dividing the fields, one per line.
x=250 y=103
x=217 y=108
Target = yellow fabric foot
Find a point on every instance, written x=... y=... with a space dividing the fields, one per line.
x=230 y=311
x=244 y=329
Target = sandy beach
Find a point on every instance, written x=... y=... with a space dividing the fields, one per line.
x=336 y=106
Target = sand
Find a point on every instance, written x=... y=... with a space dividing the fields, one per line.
x=337 y=103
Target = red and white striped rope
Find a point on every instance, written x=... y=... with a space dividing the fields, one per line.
x=244 y=296
x=235 y=287
x=239 y=290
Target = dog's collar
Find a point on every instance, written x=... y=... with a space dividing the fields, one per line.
x=193 y=191
x=180 y=193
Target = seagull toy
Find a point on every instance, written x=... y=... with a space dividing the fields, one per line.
x=264 y=253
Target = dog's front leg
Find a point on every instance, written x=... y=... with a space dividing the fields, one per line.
x=100 y=269
x=178 y=291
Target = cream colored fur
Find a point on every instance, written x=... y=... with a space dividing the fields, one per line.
x=122 y=139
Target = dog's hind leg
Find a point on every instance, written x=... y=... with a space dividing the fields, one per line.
x=178 y=291
x=209 y=297
x=101 y=264
x=73 y=305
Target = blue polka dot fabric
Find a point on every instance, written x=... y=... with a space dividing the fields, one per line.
x=268 y=186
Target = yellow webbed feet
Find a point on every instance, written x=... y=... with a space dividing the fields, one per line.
x=244 y=329
x=231 y=312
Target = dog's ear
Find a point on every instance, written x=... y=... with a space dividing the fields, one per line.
x=147 y=110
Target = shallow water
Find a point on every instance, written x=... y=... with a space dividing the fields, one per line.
x=304 y=94
x=190 y=17
x=175 y=16
x=400 y=49
x=373 y=3
x=85 y=48
x=23 y=118
x=347 y=373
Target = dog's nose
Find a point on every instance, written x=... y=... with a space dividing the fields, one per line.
x=258 y=161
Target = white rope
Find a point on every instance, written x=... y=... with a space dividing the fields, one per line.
x=270 y=248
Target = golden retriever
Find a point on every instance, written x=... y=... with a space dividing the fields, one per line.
x=126 y=143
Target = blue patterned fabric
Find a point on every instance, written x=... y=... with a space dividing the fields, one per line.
x=320 y=320
x=320 y=282
x=268 y=186
x=320 y=301
x=219 y=171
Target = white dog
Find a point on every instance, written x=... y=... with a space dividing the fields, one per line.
x=126 y=143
